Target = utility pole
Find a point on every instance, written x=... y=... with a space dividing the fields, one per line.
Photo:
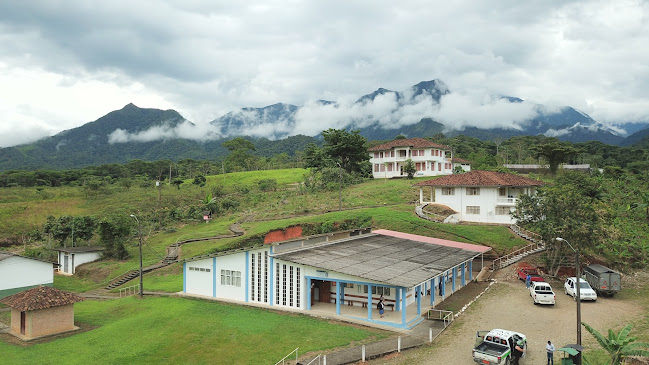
x=139 y=230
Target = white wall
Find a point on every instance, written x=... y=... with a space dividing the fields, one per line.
x=486 y=201
x=18 y=272
x=199 y=282
x=79 y=258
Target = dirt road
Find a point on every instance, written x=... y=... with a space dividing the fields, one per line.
x=508 y=306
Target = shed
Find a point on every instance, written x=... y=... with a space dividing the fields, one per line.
x=71 y=257
x=18 y=273
x=41 y=311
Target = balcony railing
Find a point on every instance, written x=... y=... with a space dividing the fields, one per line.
x=506 y=201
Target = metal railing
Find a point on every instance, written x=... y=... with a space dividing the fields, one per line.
x=506 y=200
x=129 y=290
x=525 y=233
x=283 y=361
x=440 y=315
x=319 y=358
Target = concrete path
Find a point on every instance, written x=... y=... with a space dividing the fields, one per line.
x=418 y=336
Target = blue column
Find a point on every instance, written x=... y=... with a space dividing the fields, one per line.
x=433 y=288
x=470 y=270
x=369 y=301
x=184 y=277
x=418 y=294
x=397 y=299
x=247 y=273
x=308 y=294
x=403 y=312
x=338 y=297
x=444 y=286
x=454 y=276
x=463 y=274
x=214 y=276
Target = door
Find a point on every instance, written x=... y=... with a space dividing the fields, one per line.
x=65 y=263
x=325 y=292
x=22 y=322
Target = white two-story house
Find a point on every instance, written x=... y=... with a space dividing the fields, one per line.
x=430 y=159
x=478 y=196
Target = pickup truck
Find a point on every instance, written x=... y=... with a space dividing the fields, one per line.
x=524 y=270
x=496 y=346
x=542 y=293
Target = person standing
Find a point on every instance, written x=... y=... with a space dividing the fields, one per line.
x=528 y=280
x=381 y=307
x=518 y=351
x=550 y=349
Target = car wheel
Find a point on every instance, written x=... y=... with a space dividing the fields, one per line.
x=508 y=361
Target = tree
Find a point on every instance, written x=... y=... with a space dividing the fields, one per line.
x=177 y=182
x=409 y=168
x=240 y=156
x=619 y=345
x=209 y=202
x=346 y=148
x=565 y=210
x=113 y=232
x=315 y=157
x=554 y=153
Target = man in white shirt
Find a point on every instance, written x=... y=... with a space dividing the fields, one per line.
x=550 y=349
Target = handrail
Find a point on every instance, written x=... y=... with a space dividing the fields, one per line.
x=442 y=315
x=316 y=358
x=529 y=248
x=129 y=290
x=283 y=360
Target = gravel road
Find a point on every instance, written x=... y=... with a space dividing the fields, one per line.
x=508 y=305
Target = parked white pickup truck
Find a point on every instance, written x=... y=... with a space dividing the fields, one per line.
x=497 y=346
x=541 y=292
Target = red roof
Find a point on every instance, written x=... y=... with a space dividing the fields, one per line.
x=436 y=241
x=482 y=178
x=459 y=160
x=411 y=142
x=41 y=297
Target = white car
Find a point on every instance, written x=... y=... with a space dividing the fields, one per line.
x=541 y=292
x=585 y=291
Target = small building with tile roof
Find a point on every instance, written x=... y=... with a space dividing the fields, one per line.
x=478 y=196
x=71 y=257
x=430 y=158
x=18 y=273
x=41 y=311
x=343 y=272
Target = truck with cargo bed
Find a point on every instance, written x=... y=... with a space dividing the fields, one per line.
x=496 y=347
x=602 y=279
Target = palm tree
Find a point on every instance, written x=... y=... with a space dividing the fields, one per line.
x=209 y=202
x=620 y=345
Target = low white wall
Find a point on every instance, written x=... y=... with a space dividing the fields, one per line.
x=18 y=272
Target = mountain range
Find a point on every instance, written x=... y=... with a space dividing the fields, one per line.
x=421 y=110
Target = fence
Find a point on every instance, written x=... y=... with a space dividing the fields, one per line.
x=129 y=290
x=440 y=315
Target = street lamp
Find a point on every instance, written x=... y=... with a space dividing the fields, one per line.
x=578 y=274
x=139 y=230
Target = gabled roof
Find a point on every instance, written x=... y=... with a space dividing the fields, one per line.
x=6 y=255
x=482 y=178
x=393 y=258
x=411 y=142
x=79 y=249
x=459 y=160
x=41 y=297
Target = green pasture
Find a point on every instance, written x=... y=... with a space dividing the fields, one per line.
x=170 y=330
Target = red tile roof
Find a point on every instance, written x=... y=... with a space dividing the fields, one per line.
x=482 y=178
x=437 y=241
x=41 y=297
x=459 y=160
x=411 y=142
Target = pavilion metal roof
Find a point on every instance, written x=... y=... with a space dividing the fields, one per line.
x=383 y=258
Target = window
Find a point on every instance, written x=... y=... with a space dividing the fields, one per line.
x=380 y=154
x=376 y=167
x=472 y=191
x=376 y=155
x=191 y=268
x=290 y=286
x=376 y=290
x=277 y=284
x=252 y=276
x=503 y=210
x=436 y=152
x=473 y=209
x=502 y=191
x=390 y=167
x=415 y=153
x=448 y=191
x=258 y=277
x=391 y=153
x=382 y=167
x=231 y=278
x=284 y=284
x=297 y=286
x=265 y=276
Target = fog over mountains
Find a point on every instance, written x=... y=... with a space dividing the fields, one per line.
x=422 y=110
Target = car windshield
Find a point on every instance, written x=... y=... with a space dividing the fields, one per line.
x=584 y=285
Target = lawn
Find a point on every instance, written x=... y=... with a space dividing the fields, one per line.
x=190 y=331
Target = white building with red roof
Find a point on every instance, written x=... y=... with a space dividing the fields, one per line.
x=430 y=159
x=478 y=196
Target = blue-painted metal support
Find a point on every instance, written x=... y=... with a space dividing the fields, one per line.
x=419 y=295
x=463 y=274
x=403 y=312
x=433 y=288
x=471 y=270
x=397 y=299
x=454 y=276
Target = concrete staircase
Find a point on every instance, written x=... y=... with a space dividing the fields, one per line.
x=536 y=245
x=133 y=274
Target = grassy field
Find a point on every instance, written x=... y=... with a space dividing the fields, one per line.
x=185 y=331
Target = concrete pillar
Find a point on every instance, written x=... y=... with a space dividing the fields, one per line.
x=433 y=288
x=454 y=276
x=308 y=294
x=418 y=295
x=471 y=270
x=369 y=301
x=403 y=312
x=397 y=299
x=338 y=297
x=421 y=195
x=463 y=274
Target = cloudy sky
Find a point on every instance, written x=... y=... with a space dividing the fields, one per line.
x=66 y=63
